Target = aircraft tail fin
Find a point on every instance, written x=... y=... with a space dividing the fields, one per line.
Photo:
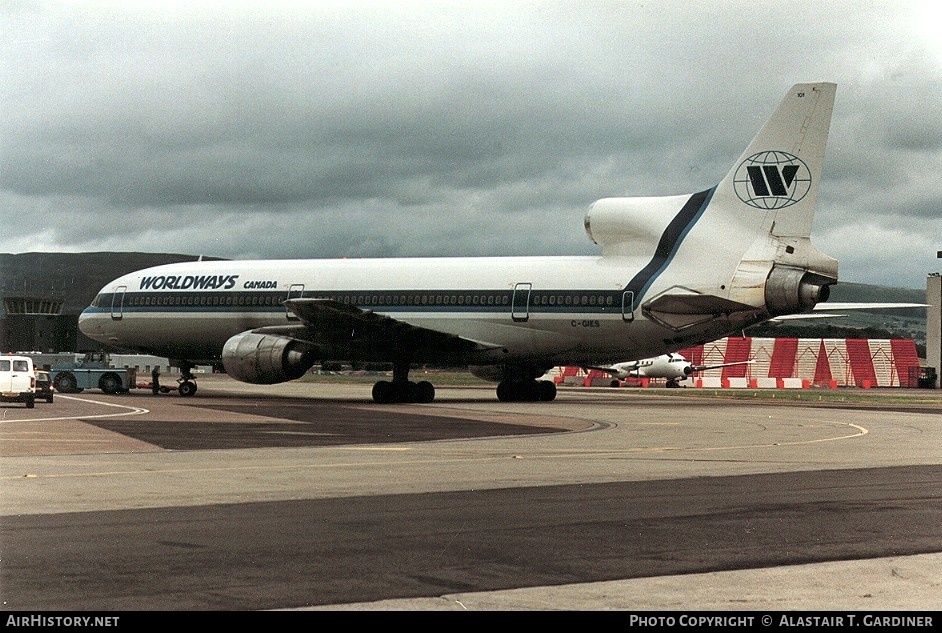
x=747 y=241
x=781 y=168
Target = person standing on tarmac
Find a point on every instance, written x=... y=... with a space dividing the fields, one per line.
x=155 y=380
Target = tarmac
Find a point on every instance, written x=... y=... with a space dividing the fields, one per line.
x=93 y=453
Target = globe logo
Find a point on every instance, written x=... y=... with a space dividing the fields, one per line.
x=772 y=180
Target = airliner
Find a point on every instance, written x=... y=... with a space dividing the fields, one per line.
x=672 y=272
x=673 y=367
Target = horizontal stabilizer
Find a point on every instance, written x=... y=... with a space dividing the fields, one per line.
x=837 y=306
x=827 y=307
x=796 y=317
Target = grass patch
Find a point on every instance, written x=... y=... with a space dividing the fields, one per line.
x=847 y=394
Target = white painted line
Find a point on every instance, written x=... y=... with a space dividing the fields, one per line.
x=129 y=411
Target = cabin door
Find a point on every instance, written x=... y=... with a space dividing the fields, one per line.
x=117 y=303
x=520 y=305
x=296 y=291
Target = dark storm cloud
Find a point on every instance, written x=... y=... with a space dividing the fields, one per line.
x=435 y=128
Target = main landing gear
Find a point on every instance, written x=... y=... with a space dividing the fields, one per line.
x=526 y=391
x=186 y=382
x=401 y=389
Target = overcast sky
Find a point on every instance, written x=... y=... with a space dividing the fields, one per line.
x=373 y=129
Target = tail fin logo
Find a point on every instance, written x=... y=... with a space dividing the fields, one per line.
x=772 y=180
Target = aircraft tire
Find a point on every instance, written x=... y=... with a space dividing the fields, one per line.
x=384 y=392
x=424 y=392
x=187 y=388
x=506 y=391
x=545 y=391
x=526 y=391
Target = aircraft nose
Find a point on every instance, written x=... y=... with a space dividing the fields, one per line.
x=93 y=326
x=85 y=323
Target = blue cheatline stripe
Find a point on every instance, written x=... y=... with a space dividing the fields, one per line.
x=484 y=301
x=669 y=243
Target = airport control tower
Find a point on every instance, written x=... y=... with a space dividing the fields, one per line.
x=934 y=322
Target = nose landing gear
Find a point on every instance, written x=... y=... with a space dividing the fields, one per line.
x=186 y=383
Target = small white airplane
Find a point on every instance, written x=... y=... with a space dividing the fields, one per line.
x=673 y=367
x=673 y=272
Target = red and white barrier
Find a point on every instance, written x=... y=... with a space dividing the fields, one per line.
x=786 y=363
x=795 y=363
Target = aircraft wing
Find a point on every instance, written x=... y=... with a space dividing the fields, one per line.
x=696 y=368
x=331 y=322
x=608 y=370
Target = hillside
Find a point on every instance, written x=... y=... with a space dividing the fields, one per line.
x=845 y=291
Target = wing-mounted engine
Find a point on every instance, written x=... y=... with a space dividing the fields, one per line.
x=266 y=359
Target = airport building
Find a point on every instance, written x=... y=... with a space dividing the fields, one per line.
x=42 y=295
x=934 y=324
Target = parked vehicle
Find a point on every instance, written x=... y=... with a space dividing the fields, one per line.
x=17 y=380
x=94 y=371
x=44 y=388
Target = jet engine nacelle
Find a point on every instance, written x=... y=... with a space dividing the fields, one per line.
x=263 y=359
x=789 y=290
x=626 y=226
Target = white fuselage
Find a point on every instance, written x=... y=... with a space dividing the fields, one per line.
x=560 y=309
x=669 y=366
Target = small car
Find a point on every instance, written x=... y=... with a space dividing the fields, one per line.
x=43 y=385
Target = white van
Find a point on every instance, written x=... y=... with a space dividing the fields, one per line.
x=17 y=380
